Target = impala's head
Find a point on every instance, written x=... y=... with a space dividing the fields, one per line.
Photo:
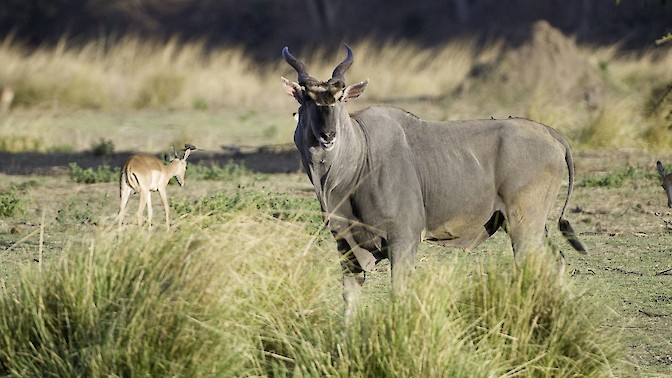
x=322 y=110
x=667 y=182
x=181 y=162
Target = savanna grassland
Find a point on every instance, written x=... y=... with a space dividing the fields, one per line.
x=247 y=282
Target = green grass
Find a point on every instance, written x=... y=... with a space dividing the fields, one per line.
x=620 y=177
x=230 y=171
x=225 y=204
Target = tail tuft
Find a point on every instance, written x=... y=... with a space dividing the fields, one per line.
x=570 y=235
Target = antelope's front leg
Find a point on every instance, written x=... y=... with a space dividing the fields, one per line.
x=141 y=206
x=353 y=279
x=164 y=199
x=125 y=194
x=402 y=248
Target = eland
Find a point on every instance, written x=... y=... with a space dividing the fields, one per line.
x=386 y=180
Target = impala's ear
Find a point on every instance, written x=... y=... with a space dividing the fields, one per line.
x=661 y=169
x=293 y=89
x=354 y=90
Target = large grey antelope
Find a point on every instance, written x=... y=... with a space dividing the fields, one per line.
x=667 y=182
x=386 y=179
x=146 y=173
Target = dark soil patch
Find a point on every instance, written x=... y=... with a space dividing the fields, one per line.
x=267 y=159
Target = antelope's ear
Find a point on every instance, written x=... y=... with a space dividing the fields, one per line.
x=293 y=89
x=661 y=169
x=353 y=91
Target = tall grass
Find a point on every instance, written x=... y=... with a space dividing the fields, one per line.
x=479 y=322
x=606 y=106
x=257 y=296
x=187 y=303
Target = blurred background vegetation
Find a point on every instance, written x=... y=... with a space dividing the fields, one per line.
x=591 y=69
x=263 y=27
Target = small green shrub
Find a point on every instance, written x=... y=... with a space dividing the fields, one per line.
x=104 y=147
x=11 y=203
x=91 y=176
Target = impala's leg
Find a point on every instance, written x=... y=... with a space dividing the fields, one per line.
x=144 y=195
x=164 y=199
x=150 y=211
x=125 y=194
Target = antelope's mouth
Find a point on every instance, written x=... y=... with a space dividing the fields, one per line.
x=327 y=145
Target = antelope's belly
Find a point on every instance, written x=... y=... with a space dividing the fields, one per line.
x=462 y=233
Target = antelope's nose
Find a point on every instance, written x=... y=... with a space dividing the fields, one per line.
x=328 y=136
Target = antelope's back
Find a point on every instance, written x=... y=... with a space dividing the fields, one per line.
x=141 y=165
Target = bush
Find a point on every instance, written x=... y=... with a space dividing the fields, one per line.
x=11 y=203
x=104 y=147
x=91 y=176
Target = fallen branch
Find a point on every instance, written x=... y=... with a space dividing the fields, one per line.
x=664 y=272
x=623 y=271
x=653 y=314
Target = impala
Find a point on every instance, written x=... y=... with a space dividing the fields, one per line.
x=146 y=173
